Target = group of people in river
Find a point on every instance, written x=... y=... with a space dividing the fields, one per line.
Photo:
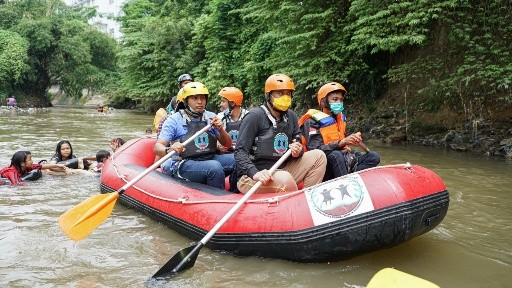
x=64 y=161
x=245 y=144
x=241 y=144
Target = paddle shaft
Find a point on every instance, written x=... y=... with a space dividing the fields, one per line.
x=161 y=160
x=230 y=213
x=361 y=144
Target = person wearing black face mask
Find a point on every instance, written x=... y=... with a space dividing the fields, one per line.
x=325 y=130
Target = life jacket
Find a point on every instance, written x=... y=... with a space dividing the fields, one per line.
x=70 y=163
x=274 y=143
x=161 y=113
x=32 y=175
x=232 y=127
x=332 y=129
x=74 y=163
x=204 y=146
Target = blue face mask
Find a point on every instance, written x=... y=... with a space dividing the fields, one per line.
x=336 y=108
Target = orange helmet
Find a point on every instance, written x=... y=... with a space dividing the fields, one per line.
x=232 y=94
x=328 y=88
x=279 y=82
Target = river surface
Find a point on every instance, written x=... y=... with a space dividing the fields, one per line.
x=472 y=247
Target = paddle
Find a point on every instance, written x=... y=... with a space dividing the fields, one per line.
x=80 y=220
x=186 y=257
x=392 y=278
x=361 y=144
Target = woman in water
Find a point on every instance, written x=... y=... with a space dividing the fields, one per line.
x=23 y=168
x=64 y=154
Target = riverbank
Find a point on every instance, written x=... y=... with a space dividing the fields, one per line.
x=485 y=129
x=488 y=132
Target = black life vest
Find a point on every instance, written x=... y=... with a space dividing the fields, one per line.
x=231 y=126
x=70 y=163
x=274 y=142
x=32 y=175
x=204 y=146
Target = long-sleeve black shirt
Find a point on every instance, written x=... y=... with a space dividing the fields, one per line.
x=254 y=124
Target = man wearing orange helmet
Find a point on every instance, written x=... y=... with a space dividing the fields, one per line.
x=266 y=133
x=197 y=161
x=231 y=98
x=325 y=130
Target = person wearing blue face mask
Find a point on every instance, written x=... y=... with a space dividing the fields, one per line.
x=326 y=130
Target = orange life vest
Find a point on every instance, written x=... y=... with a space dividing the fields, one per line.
x=332 y=129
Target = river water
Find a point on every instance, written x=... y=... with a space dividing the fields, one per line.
x=472 y=247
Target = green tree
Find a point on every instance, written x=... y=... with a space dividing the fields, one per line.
x=13 y=58
x=62 y=48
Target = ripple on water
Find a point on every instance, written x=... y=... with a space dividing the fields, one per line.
x=470 y=248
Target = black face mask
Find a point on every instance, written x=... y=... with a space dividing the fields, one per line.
x=193 y=113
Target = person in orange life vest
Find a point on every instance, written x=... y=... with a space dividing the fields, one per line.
x=325 y=130
x=231 y=97
x=266 y=133
x=22 y=165
x=197 y=161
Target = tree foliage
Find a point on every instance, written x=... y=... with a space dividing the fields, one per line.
x=13 y=57
x=241 y=42
x=61 y=48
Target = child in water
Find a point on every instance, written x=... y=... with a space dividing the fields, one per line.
x=101 y=157
x=64 y=154
x=149 y=132
x=23 y=168
x=115 y=143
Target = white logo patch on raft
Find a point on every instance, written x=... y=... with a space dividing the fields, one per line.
x=338 y=199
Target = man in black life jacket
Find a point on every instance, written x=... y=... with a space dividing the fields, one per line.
x=266 y=133
x=325 y=130
x=232 y=98
x=197 y=161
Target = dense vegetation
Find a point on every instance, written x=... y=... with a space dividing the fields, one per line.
x=44 y=43
x=454 y=52
x=366 y=45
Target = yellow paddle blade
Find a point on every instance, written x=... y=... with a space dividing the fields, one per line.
x=80 y=220
x=392 y=278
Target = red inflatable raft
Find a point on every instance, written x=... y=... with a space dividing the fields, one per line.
x=351 y=215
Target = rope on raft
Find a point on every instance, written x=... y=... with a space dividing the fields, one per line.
x=268 y=200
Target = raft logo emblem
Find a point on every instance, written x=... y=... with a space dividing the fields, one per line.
x=338 y=199
x=202 y=141
x=281 y=143
x=234 y=136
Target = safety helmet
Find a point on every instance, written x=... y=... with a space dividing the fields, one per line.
x=279 y=82
x=192 y=88
x=232 y=94
x=184 y=77
x=328 y=88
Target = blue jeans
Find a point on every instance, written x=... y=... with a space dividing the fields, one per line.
x=210 y=172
